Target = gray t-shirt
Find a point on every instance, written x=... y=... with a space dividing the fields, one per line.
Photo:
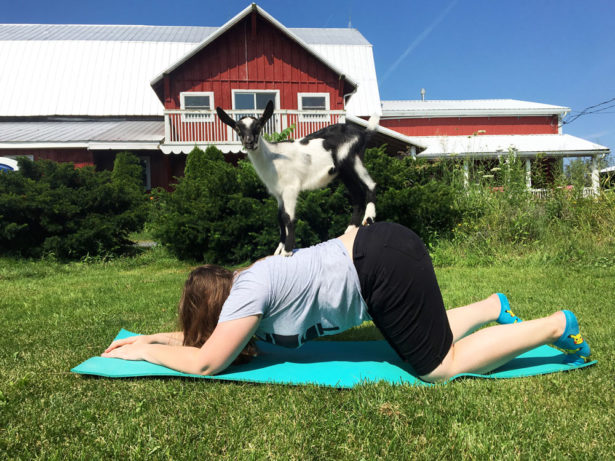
x=315 y=292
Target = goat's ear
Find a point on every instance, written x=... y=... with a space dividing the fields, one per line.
x=225 y=118
x=268 y=112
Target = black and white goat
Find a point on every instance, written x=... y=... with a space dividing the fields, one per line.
x=288 y=167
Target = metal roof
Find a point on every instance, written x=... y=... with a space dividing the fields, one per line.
x=328 y=36
x=105 y=33
x=89 y=134
x=138 y=33
x=82 y=78
x=525 y=145
x=357 y=61
x=466 y=108
x=94 y=70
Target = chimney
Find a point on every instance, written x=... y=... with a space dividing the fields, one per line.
x=422 y=94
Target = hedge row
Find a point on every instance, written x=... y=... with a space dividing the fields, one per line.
x=217 y=213
x=222 y=214
x=50 y=208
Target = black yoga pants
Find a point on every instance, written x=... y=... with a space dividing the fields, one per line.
x=399 y=285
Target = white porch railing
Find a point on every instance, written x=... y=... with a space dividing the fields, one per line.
x=544 y=193
x=205 y=127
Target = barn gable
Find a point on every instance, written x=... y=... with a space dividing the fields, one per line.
x=253 y=52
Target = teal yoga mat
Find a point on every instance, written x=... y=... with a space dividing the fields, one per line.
x=341 y=364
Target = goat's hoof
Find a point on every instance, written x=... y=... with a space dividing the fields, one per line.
x=367 y=221
x=370 y=214
x=286 y=253
x=279 y=249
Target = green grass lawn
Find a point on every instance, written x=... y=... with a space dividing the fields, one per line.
x=53 y=316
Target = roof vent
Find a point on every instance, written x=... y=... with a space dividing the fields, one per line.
x=422 y=94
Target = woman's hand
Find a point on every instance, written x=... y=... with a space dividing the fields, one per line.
x=218 y=352
x=131 y=351
x=121 y=343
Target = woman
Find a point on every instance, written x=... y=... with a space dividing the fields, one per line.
x=381 y=272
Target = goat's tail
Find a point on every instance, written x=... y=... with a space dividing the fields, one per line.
x=373 y=122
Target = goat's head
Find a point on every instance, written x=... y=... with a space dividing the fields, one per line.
x=247 y=128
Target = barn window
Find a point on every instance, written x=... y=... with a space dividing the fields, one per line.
x=197 y=101
x=253 y=100
x=314 y=107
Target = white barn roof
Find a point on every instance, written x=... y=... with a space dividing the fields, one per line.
x=89 y=134
x=563 y=145
x=468 y=108
x=98 y=70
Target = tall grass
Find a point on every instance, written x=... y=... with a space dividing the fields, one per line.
x=504 y=221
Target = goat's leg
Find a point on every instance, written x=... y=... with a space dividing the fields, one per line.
x=370 y=191
x=289 y=199
x=370 y=207
x=282 y=228
x=358 y=194
x=357 y=200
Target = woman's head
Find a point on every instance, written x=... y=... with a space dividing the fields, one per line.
x=200 y=305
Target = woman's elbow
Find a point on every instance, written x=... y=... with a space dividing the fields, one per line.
x=208 y=369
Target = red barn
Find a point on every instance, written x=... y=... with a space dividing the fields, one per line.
x=490 y=129
x=247 y=62
x=83 y=93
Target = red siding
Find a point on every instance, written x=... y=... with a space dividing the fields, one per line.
x=266 y=60
x=76 y=155
x=465 y=126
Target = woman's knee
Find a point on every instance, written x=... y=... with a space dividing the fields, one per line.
x=444 y=370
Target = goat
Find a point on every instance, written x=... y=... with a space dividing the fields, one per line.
x=288 y=167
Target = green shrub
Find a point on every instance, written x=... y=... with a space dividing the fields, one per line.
x=49 y=208
x=217 y=212
x=223 y=214
x=416 y=193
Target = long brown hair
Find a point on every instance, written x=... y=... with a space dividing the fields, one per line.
x=200 y=305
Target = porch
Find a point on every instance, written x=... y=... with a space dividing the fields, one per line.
x=528 y=148
x=185 y=129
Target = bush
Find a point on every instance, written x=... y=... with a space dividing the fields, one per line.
x=49 y=208
x=223 y=214
x=217 y=212
x=416 y=193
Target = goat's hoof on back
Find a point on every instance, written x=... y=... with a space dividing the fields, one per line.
x=367 y=222
x=370 y=214
x=280 y=251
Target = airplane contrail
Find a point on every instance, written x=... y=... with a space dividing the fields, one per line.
x=418 y=40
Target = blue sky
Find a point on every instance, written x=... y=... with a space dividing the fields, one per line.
x=558 y=52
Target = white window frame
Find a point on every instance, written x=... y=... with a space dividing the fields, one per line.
x=274 y=122
x=204 y=117
x=276 y=103
x=304 y=116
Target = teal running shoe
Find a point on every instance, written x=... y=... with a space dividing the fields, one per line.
x=506 y=314
x=571 y=342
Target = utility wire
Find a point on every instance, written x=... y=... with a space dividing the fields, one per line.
x=588 y=110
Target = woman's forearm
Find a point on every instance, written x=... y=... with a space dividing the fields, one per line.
x=181 y=358
x=218 y=352
x=172 y=338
